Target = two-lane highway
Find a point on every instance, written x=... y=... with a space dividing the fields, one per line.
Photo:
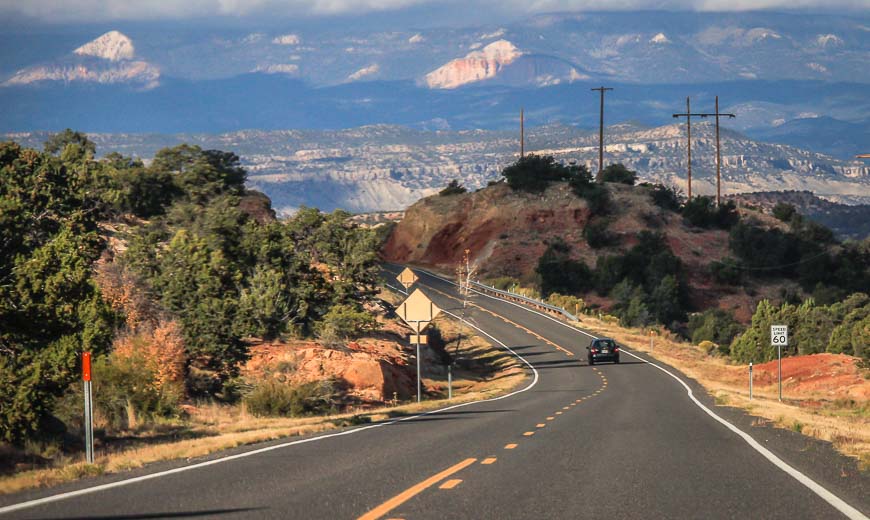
x=572 y=441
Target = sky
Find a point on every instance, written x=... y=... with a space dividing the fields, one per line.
x=88 y=11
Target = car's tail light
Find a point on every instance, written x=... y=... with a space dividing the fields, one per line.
x=595 y=351
x=616 y=349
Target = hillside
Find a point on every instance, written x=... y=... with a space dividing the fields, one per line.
x=508 y=231
x=848 y=221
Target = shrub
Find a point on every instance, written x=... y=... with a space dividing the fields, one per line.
x=708 y=346
x=570 y=303
x=345 y=321
x=127 y=394
x=534 y=173
x=666 y=197
x=619 y=173
x=452 y=188
x=559 y=272
x=270 y=398
x=714 y=325
x=784 y=211
x=702 y=212
x=727 y=272
x=504 y=283
x=596 y=234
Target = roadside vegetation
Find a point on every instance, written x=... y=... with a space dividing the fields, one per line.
x=168 y=273
x=824 y=396
x=646 y=283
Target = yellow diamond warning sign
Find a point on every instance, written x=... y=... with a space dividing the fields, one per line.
x=417 y=309
x=407 y=278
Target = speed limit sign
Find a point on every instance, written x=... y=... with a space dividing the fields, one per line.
x=779 y=335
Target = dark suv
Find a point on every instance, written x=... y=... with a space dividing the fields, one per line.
x=602 y=349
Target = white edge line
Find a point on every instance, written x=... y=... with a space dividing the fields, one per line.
x=832 y=499
x=125 y=482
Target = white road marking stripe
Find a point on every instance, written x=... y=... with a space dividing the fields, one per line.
x=120 y=483
x=832 y=499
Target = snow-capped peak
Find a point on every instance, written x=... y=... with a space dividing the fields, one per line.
x=660 y=38
x=475 y=66
x=500 y=50
x=113 y=46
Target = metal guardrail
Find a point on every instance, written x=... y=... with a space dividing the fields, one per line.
x=539 y=304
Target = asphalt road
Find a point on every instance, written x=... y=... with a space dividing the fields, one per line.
x=573 y=441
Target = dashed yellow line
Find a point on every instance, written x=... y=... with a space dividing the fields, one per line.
x=488 y=460
x=529 y=434
x=510 y=446
x=450 y=484
x=414 y=490
x=540 y=425
x=550 y=418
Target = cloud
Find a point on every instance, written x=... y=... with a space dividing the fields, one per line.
x=109 y=10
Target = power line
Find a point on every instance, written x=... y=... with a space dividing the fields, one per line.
x=601 y=89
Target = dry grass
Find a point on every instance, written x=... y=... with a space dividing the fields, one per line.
x=845 y=423
x=212 y=427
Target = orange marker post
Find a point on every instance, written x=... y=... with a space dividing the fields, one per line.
x=89 y=407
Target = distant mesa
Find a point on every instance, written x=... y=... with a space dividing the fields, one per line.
x=364 y=72
x=502 y=60
x=660 y=39
x=113 y=46
x=278 y=68
x=108 y=59
x=475 y=66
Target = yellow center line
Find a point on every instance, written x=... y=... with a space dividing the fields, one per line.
x=488 y=460
x=550 y=418
x=564 y=407
x=558 y=413
x=540 y=425
x=414 y=490
x=450 y=484
x=529 y=434
x=510 y=446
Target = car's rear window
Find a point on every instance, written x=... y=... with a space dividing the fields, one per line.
x=605 y=344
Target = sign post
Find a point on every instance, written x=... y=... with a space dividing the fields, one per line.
x=89 y=407
x=419 y=310
x=779 y=339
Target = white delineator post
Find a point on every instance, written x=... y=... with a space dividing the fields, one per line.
x=750 y=380
x=89 y=407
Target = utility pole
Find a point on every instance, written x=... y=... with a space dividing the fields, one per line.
x=688 y=115
x=522 y=135
x=718 y=154
x=601 y=89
